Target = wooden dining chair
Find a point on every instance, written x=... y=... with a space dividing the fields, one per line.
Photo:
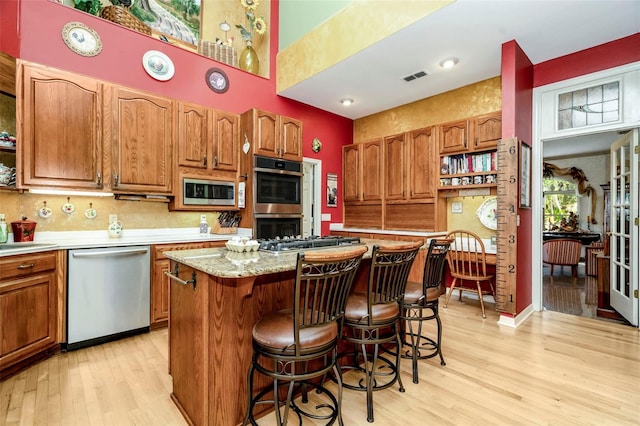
x=467 y=263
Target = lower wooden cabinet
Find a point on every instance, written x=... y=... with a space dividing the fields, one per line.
x=160 y=282
x=28 y=307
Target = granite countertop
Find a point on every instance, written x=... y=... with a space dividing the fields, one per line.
x=130 y=237
x=224 y=263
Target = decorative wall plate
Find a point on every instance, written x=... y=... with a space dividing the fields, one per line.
x=487 y=213
x=316 y=145
x=158 y=65
x=217 y=80
x=81 y=39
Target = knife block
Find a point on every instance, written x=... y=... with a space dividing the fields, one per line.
x=217 y=229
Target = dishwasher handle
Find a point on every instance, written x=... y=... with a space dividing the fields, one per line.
x=180 y=280
x=110 y=253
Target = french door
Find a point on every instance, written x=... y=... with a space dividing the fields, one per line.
x=625 y=194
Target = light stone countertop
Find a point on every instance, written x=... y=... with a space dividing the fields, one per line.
x=223 y=263
x=130 y=237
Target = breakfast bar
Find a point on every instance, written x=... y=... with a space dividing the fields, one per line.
x=216 y=297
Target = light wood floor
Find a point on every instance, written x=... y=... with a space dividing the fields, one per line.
x=555 y=369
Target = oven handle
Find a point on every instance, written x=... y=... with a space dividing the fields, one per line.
x=276 y=171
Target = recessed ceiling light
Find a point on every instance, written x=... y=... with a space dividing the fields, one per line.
x=449 y=63
x=346 y=101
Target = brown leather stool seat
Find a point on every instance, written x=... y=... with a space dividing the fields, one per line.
x=371 y=323
x=420 y=303
x=296 y=348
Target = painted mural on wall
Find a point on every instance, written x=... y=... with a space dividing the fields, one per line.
x=179 y=19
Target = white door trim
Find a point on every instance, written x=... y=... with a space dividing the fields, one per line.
x=317 y=194
x=542 y=109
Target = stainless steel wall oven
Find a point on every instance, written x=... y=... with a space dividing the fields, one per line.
x=277 y=197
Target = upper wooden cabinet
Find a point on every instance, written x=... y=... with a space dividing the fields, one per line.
x=453 y=136
x=195 y=135
x=395 y=166
x=485 y=130
x=226 y=141
x=7 y=74
x=140 y=133
x=60 y=116
x=481 y=132
x=362 y=172
x=276 y=135
x=422 y=163
x=207 y=138
x=410 y=165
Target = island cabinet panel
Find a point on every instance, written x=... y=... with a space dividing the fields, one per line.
x=140 y=134
x=210 y=342
x=60 y=131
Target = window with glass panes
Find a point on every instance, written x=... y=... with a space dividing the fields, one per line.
x=560 y=199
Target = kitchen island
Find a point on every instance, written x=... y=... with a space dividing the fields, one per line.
x=216 y=299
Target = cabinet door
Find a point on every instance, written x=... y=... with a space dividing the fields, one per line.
x=28 y=317
x=422 y=163
x=141 y=140
x=290 y=139
x=351 y=173
x=195 y=135
x=61 y=141
x=226 y=141
x=395 y=167
x=160 y=292
x=486 y=130
x=266 y=133
x=372 y=171
x=453 y=136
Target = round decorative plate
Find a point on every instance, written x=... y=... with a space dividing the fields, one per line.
x=158 y=65
x=90 y=213
x=81 y=39
x=488 y=213
x=217 y=80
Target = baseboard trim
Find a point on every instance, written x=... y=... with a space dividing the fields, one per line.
x=515 y=321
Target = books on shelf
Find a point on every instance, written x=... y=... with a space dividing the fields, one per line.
x=468 y=163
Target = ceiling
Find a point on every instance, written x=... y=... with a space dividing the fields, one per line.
x=472 y=31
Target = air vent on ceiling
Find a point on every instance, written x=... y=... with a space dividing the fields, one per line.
x=419 y=74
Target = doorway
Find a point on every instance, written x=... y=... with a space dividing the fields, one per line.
x=311 y=196
x=548 y=135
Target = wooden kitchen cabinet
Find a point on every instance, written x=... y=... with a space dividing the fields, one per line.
x=273 y=135
x=453 y=136
x=60 y=133
x=485 y=130
x=160 y=283
x=410 y=165
x=7 y=74
x=362 y=171
x=28 y=308
x=140 y=135
x=207 y=138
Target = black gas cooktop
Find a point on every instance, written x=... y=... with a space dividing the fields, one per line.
x=294 y=243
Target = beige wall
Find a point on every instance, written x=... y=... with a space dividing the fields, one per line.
x=468 y=219
x=133 y=214
x=475 y=99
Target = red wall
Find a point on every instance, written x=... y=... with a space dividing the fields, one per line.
x=517 y=116
x=39 y=40
x=613 y=54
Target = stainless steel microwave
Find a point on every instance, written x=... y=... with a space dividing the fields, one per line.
x=202 y=192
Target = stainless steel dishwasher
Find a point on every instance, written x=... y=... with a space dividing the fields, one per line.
x=108 y=294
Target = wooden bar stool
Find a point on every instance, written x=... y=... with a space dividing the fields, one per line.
x=420 y=303
x=371 y=323
x=297 y=345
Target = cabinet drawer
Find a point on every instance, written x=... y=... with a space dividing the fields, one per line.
x=27 y=264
